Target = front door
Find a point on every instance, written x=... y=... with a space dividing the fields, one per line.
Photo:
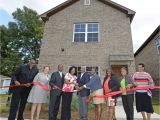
x=116 y=69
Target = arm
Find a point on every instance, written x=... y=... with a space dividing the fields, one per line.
x=52 y=80
x=36 y=78
x=151 y=82
x=91 y=82
x=116 y=84
x=131 y=83
x=14 y=77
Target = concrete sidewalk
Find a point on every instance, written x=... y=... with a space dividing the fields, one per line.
x=120 y=114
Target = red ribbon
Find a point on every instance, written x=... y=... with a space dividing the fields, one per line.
x=128 y=90
x=104 y=96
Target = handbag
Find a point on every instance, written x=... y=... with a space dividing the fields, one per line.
x=67 y=87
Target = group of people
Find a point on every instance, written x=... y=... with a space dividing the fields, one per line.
x=62 y=86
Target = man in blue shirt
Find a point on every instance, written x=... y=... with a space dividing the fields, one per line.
x=82 y=79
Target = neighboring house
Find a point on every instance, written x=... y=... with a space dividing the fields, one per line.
x=149 y=54
x=4 y=81
x=88 y=32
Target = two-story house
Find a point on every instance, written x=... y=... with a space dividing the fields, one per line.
x=149 y=54
x=88 y=32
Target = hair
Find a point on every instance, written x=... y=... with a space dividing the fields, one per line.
x=95 y=68
x=124 y=68
x=71 y=68
x=107 y=74
x=60 y=65
x=46 y=66
x=142 y=64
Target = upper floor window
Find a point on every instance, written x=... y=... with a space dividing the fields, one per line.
x=158 y=43
x=86 y=32
x=87 y=2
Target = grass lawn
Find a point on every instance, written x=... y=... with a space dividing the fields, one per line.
x=3 y=105
x=156 y=105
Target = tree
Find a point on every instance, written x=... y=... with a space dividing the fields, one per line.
x=9 y=57
x=27 y=32
x=21 y=40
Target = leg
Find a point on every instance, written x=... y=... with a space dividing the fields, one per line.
x=33 y=109
x=130 y=101
x=110 y=113
x=38 y=110
x=52 y=103
x=127 y=101
x=143 y=115
x=56 y=107
x=99 y=112
x=14 y=103
x=96 y=112
x=24 y=96
x=85 y=108
x=148 y=116
x=66 y=106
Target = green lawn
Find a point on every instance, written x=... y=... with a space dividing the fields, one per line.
x=156 y=105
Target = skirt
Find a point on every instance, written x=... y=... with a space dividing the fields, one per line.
x=98 y=92
x=144 y=103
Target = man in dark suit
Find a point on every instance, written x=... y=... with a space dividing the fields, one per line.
x=57 y=80
x=82 y=79
x=23 y=75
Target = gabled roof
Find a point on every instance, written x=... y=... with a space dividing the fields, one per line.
x=148 y=40
x=45 y=16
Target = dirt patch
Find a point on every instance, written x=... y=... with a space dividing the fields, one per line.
x=75 y=114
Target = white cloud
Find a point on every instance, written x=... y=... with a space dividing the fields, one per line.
x=144 y=23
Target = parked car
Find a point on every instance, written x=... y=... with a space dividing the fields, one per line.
x=4 y=81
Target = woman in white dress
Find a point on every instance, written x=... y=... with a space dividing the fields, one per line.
x=38 y=95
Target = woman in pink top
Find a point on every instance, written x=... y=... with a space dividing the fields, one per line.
x=68 y=89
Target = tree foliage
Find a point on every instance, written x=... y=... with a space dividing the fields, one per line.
x=20 y=40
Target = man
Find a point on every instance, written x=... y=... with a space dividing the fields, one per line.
x=23 y=75
x=82 y=79
x=56 y=83
x=143 y=97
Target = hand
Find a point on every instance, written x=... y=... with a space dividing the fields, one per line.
x=129 y=86
x=16 y=82
x=28 y=84
x=109 y=90
x=77 y=87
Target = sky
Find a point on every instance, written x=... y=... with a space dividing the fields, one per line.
x=146 y=20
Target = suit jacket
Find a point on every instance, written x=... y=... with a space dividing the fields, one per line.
x=82 y=81
x=56 y=80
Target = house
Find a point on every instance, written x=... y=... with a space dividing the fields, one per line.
x=4 y=81
x=88 y=32
x=149 y=54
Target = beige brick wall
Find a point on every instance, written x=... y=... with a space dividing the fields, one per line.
x=115 y=37
x=149 y=56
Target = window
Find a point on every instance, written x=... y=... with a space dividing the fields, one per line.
x=88 y=69
x=158 y=43
x=86 y=32
x=87 y=2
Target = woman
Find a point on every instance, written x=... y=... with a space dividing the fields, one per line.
x=127 y=97
x=38 y=95
x=96 y=89
x=111 y=84
x=68 y=89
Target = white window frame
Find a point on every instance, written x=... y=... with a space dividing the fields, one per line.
x=87 y=2
x=158 y=45
x=86 y=31
x=86 y=67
